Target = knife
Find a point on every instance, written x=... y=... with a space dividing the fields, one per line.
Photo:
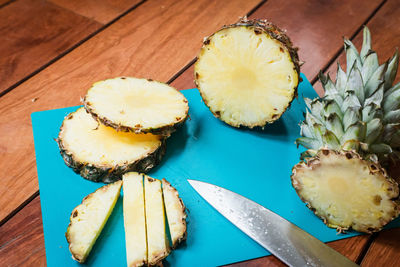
x=285 y=240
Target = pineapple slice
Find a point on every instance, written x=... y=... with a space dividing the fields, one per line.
x=138 y=105
x=176 y=215
x=157 y=241
x=346 y=191
x=248 y=73
x=134 y=220
x=101 y=153
x=88 y=219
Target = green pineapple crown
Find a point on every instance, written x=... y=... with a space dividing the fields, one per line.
x=360 y=111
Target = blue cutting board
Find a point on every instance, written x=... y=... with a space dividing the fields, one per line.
x=254 y=163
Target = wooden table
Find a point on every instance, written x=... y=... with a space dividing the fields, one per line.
x=52 y=51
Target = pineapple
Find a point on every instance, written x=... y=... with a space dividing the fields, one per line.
x=137 y=105
x=157 y=241
x=176 y=215
x=101 y=153
x=134 y=220
x=350 y=133
x=88 y=219
x=247 y=73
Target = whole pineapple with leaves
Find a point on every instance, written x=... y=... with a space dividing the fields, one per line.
x=350 y=133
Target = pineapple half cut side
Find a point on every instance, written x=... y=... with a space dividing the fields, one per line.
x=88 y=219
x=102 y=154
x=175 y=210
x=247 y=73
x=346 y=191
x=137 y=105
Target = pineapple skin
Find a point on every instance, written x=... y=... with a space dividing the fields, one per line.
x=166 y=130
x=109 y=174
x=374 y=167
x=259 y=26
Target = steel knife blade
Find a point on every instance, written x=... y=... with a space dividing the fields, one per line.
x=283 y=239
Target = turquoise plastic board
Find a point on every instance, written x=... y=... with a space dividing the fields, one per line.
x=254 y=163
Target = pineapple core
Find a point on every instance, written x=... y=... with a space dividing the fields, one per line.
x=346 y=192
x=246 y=78
x=92 y=142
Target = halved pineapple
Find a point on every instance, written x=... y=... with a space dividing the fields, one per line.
x=176 y=215
x=134 y=220
x=248 y=73
x=347 y=191
x=101 y=153
x=137 y=105
x=88 y=219
x=157 y=241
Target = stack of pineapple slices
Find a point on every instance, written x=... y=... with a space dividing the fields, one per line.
x=247 y=73
x=144 y=202
x=122 y=128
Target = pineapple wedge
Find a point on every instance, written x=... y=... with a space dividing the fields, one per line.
x=102 y=154
x=88 y=219
x=134 y=219
x=247 y=73
x=157 y=241
x=137 y=105
x=346 y=191
x=176 y=215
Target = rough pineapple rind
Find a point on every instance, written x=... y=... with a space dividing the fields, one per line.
x=157 y=241
x=163 y=129
x=334 y=184
x=108 y=173
x=176 y=215
x=88 y=219
x=134 y=219
x=259 y=27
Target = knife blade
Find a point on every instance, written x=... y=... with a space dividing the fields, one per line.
x=283 y=239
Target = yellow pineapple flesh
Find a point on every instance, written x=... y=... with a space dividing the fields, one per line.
x=88 y=219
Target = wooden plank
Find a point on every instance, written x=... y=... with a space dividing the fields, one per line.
x=21 y=238
x=316 y=27
x=33 y=33
x=101 y=11
x=133 y=46
x=385 y=37
x=385 y=250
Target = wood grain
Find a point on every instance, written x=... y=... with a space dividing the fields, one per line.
x=21 y=238
x=385 y=250
x=385 y=37
x=316 y=27
x=101 y=11
x=33 y=33
x=155 y=40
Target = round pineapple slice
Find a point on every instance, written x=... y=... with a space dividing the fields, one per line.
x=101 y=153
x=346 y=191
x=247 y=73
x=137 y=105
